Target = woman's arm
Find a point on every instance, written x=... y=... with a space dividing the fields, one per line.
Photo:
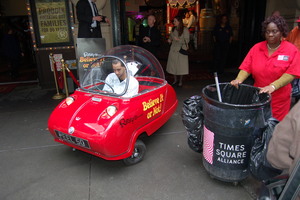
x=282 y=81
x=242 y=75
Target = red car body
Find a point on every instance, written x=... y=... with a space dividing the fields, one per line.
x=87 y=124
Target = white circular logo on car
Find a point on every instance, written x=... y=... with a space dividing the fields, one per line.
x=71 y=130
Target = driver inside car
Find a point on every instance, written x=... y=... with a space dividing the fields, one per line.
x=117 y=80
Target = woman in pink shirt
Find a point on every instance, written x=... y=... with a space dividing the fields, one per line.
x=273 y=64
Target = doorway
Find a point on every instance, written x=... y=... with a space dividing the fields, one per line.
x=16 y=42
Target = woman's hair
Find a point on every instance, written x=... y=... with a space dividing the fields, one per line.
x=180 y=25
x=194 y=13
x=185 y=14
x=280 y=23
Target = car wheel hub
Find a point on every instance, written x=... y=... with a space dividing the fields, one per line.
x=135 y=153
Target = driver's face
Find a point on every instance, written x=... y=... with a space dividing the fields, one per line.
x=120 y=71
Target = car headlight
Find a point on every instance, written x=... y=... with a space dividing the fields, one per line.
x=69 y=100
x=111 y=110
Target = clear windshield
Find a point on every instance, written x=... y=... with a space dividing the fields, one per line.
x=139 y=61
x=116 y=72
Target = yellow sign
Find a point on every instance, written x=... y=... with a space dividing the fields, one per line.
x=155 y=104
x=52 y=22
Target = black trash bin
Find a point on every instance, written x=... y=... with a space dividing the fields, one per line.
x=229 y=128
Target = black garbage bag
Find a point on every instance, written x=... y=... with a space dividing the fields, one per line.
x=296 y=88
x=260 y=168
x=192 y=118
x=244 y=95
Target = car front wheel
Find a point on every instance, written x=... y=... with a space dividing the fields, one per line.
x=137 y=154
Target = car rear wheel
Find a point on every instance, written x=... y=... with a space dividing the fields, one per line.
x=137 y=154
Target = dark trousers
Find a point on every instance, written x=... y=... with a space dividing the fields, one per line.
x=14 y=64
x=88 y=32
x=221 y=51
x=95 y=33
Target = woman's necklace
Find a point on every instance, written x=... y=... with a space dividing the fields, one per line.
x=272 y=48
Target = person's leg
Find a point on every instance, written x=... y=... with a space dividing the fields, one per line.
x=180 y=81
x=175 y=80
x=216 y=57
x=195 y=40
x=14 y=67
x=96 y=33
x=223 y=57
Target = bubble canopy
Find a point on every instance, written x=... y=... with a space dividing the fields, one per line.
x=138 y=63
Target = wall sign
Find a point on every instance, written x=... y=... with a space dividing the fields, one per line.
x=51 y=22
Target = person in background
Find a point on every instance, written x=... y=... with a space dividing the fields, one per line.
x=178 y=64
x=150 y=36
x=117 y=80
x=192 y=21
x=186 y=19
x=294 y=35
x=222 y=37
x=294 y=38
x=11 y=50
x=273 y=63
x=283 y=149
x=193 y=28
x=137 y=27
x=89 y=19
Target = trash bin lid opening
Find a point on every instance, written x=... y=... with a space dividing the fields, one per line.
x=245 y=96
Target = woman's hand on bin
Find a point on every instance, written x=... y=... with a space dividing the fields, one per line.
x=235 y=83
x=267 y=89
